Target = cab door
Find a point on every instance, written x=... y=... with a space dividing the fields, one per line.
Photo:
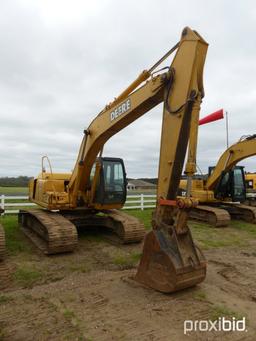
x=111 y=189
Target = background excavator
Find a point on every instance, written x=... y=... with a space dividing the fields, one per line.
x=222 y=194
x=92 y=193
x=250 y=182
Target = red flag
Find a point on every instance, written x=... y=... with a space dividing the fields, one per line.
x=217 y=115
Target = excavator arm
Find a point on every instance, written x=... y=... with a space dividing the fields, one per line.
x=170 y=259
x=239 y=151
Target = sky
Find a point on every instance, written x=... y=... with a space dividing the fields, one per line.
x=62 y=61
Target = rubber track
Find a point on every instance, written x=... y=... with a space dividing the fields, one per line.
x=214 y=216
x=49 y=231
x=129 y=229
x=2 y=243
x=251 y=218
x=244 y=212
x=5 y=276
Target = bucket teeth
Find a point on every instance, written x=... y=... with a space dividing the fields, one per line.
x=170 y=263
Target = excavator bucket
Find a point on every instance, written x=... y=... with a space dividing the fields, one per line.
x=170 y=262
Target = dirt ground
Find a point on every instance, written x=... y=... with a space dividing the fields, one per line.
x=90 y=295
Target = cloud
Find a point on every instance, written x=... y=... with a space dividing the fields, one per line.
x=61 y=62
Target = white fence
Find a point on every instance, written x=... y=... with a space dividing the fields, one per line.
x=140 y=201
x=11 y=204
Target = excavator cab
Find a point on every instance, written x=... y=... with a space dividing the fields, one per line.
x=232 y=185
x=111 y=181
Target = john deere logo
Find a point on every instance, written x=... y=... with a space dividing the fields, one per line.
x=120 y=110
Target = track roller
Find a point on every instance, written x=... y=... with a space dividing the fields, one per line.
x=49 y=231
x=115 y=225
x=217 y=217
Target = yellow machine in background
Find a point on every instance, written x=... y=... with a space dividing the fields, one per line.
x=221 y=195
x=250 y=179
x=92 y=193
x=250 y=182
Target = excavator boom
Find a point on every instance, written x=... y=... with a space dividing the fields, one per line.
x=170 y=259
x=244 y=148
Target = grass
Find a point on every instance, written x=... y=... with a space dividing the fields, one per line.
x=210 y=237
x=79 y=268
x=222 y=311
x=68 y=314
x=145 y=216
x=14 y=238
x=5 y=299
x=27 y=276
x=127 y=261
x=14 y=190
x=2 y=333
x=239 y=233
x=244 y=227
x=71 y=317
x=200 y=296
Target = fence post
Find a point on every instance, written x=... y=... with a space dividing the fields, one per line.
x=2 y=203
x=142 y=201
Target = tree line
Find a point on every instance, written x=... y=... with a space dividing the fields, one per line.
x=20 y=181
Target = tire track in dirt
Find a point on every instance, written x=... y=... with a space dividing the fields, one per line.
x=236 y=278
x=106 y=304
x=29 y=319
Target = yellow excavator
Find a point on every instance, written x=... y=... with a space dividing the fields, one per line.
x=250 y=182
x=250 y=179
x=222 y=194
x=92 y=194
